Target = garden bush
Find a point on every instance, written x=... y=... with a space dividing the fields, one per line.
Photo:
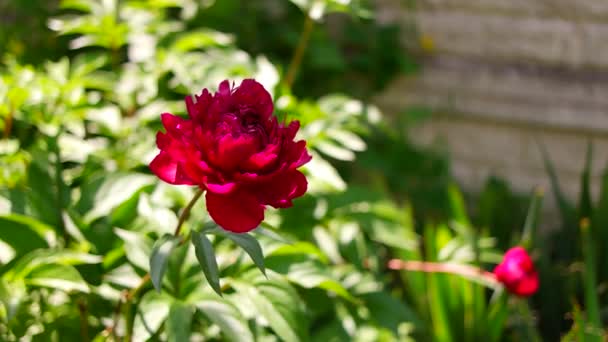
x=359 y=236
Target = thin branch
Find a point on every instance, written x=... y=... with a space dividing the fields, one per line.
x=130 y=295
x=467 y=271
x=296 y=60
x=84 y=324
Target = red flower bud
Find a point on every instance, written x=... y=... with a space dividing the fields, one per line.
x=517 y=273
x=235 y=149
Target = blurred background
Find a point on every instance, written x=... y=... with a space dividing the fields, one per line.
x=441 y=130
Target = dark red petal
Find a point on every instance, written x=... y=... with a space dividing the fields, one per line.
x=198 y=105
x=232 y=151
x=224 y=88
x=176 y=126
x=282 y=189
x=169 y=170
x=295 y=155
x=239 y=212
x=221 y=189
x=527 y=286
x=163 y=140
x=251 y=93
x=262 y=160
x=292 y=130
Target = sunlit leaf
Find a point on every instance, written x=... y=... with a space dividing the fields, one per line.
x=249 y=244
x=179 y=322
x=232 y=324
x=206 y=258
x=137 y=247
x=160 y=257
x=23 y=233
x=114 y=191
x=57 y=276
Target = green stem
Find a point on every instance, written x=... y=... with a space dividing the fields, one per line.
x=186 y=212
x=59 y=184
x=84 y=324
x=8 y=125
x=131 y=295
x=296 y=60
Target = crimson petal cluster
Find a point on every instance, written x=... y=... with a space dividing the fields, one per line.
x=233 y=147
x=517 y=272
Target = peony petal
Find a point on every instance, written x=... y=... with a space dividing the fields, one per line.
x=251 y=93
x=169 y=170
x=221 y=189
x=282 y=189
x=239 y=212
x=291 y=130
x=198 y=105
x=294 y=155
x=163 y=140
x=262 y=160
x=176 y=126
x=224 y=88
x=232 y=151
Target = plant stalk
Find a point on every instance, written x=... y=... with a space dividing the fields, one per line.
x=466 y=271
x=131 y=295
x=298 y=55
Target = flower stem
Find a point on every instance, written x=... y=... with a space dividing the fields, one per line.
x=296 y=60
x=186 y=212
x=8 y=125
x=471 y=272
x=146 y=278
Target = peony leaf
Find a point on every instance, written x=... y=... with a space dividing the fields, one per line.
x=179 y=322
x=62 y=277
x=114 y=191
x=277 y=302
x=23 y=233
x=152 y=312
x=137 y=247
x=250 y=245
x=206 y=258
x=227 y=317
x=160 y=257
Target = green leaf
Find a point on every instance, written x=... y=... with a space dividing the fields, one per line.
x=160 y=257
x=61 y=277
x=114 y=191
x=323 y=176
x=592 y=305
x=152 y=311
x=308 y=273
x=23 y=233
x=11 y=296
x=250 y=245
x=232 y=324
x=179 y=322
x=86 y=63
x=585 y=202
x=274 y=301
x=137 y=247
x=498 y=313
x=34 y=259
x=202 y=38
x=206 y=258
x=457 y=206
x=532 y=219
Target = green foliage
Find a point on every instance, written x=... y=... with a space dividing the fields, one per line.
x=83 y=220
x=84 y=225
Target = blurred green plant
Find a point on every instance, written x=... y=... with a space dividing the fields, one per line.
x=88 y=243
x=84 y=226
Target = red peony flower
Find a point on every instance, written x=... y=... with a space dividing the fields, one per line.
x=517 y=273
x=235 y=149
